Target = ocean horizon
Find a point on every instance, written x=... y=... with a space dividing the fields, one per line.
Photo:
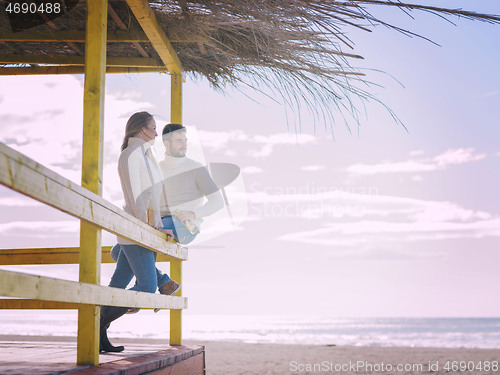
x=385 y=332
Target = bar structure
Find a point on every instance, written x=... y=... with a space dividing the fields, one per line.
x=84 y=201
x=93 y=122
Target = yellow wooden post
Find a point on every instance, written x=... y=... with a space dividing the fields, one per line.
x=93 y=118
x=176 y=98
x=176 y=265
x=176 y=315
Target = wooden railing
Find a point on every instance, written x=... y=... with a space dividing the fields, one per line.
x=25 y=176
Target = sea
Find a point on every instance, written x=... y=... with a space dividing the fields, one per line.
x=408 y=332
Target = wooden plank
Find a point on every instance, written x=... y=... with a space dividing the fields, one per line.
x=191 y=366
x=35 y=355
x=24 y=175
x=78 y=60
x=54 y=255
x=176 y=267
x=62 y=69
x=176 y=98
x=31 y=304
x=93 y=124
x=176 y=315
x=181 y=360
x=147 y=19
x=43 y=36
x=122 y=26
x=21 y=285
x=69 y=36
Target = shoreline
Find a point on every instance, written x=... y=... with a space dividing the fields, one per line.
x=235 y=358
x=150 y=341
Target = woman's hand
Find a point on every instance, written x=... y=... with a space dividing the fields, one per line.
x=168 y=232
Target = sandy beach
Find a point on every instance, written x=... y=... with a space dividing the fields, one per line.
x=236 y=358
x=225 y=358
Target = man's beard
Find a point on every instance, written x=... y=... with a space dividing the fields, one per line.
x=179 y=154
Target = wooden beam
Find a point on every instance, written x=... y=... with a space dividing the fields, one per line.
x=176 y=267
x=176 y=315
x=93 y=129
x=147 y=19
x=69 y=36
x=33 y=304
x=62 y=69
x=122 y=26
x=24 y=175
x=78 y=60
x=53 y=26
x=22 y=285
x=54 y=255
x=43 y=36
x=176 y=98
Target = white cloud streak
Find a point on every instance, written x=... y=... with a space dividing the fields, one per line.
x=439 y=162
x=39 y=229
x=356 y=219
x=257 y=146
x=19 y=201
x=313 y=168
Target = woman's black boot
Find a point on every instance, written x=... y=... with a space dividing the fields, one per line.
x=108 y=315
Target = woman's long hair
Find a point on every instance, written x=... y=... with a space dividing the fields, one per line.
x=135 y=124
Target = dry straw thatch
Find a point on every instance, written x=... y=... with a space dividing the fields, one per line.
x=297 y=49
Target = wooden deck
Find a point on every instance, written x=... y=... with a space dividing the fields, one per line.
x=30 y=355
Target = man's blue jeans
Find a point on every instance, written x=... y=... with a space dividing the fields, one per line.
x=129 y=261
x=181 y=233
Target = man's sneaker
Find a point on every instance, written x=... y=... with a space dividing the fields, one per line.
x=169 y=288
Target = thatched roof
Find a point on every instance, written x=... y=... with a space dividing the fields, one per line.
x=299 y=49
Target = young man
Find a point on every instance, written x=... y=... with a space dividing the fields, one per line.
x=188 y=195
x=186 y=185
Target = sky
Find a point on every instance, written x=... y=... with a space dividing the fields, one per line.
x=372 y=221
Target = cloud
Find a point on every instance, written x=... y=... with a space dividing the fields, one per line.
x=313 y=168
x=457 y=156
x=439 y=162
x=267 y=143
x=50 y=117
x=19 y=201
x=258 y=146
x=490 y=93
x=340 y=218
x=39 y=229
x=416 y=152
x=384 y=254
x=366 y=232
x=251 y=170
x=317 y=202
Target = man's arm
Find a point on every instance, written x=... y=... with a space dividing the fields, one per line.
x=214 y=197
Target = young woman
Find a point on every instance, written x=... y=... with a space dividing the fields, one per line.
x=141 y=182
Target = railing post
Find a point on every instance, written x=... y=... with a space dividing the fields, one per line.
x=176 y=98
x=93 y=118
x=176 y=265
x=176 y=315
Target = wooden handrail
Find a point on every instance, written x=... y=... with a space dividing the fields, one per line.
x=54 y=255
x=24 y=175
x=16 y=284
